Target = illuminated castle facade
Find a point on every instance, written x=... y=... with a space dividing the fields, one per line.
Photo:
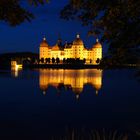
x=74 y=50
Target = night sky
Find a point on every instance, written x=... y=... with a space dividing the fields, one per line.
x=27 y=36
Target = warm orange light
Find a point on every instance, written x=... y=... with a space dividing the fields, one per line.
x=15 y=68
x=76 y=50
x=76 y=79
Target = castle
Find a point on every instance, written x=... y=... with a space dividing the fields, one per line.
x=75 y=50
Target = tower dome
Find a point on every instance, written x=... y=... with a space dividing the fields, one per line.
x=97 y=44
x=78 y=41
x=44 y=43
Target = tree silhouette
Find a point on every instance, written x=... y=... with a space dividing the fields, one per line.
x=64 y=60
x=116 y=21
x=57 y=60
x=98 y=61
x=53 y=60
x=42 y=60
x=46 y=60
x=49 y=60
x=84 y=60
x=14 y=13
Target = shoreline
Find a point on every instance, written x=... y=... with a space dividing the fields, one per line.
x=73 y=66
x=78 y=66
x=62 y=66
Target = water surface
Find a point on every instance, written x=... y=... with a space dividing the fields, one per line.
x=71 y=104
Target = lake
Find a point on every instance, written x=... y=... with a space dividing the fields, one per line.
x=84 y=104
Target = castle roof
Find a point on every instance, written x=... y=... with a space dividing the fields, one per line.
x=55 y=48
x=78 y=41
x=44 y=43
x=97 y=44
x=68 y=45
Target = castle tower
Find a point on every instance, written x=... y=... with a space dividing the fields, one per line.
x=97 y=51
x=78 y=47
x=43 y=49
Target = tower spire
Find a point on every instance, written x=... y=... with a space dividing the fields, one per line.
x=97 y=40
x=59 y=41
x=44 y=38
x=78 y=35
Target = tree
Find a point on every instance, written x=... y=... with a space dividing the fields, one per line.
x=46 y=60
x=49 y=60
x=64 y=60
x=77 y=60
x=116 y=21
x=14 y=13
x=53 y=60
x=68 y=60
x=42 y=60
x=84 y=60
x=98 y=61
x=57 y=60
x=33 y=60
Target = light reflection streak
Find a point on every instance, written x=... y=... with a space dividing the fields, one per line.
x=74 y=79
x=15 y=68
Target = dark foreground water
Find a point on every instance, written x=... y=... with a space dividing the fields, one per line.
x=86 y=104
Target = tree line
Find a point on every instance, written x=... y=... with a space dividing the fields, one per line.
x=64 y=61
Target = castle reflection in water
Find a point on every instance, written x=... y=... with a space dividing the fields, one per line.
x=70 y=79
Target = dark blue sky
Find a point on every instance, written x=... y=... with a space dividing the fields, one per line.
x=27 y=36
